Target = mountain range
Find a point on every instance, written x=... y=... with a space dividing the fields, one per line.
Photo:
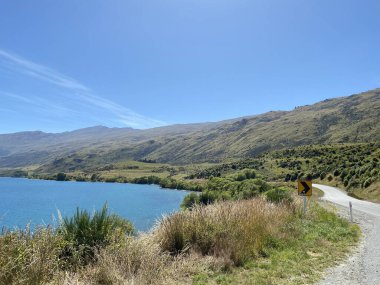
x=354 y=118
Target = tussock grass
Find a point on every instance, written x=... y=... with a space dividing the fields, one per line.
x=232 y=242
x=136 y=261
x=29 y=258
x=85 y=234
x=236 y=231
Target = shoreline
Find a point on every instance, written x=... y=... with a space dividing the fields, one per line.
x=108 y=182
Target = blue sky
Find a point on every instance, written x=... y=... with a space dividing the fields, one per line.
x=71 y=64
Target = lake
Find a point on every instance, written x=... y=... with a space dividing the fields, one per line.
x=24 y=201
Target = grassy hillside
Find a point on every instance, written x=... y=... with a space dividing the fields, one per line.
x=29 y=148
x=347 y=119
x=354 y=167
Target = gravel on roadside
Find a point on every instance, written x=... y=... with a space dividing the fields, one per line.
x=363 y=265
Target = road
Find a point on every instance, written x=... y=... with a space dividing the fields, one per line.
x=363 y=267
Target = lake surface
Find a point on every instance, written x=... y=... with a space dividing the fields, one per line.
x=24 y=201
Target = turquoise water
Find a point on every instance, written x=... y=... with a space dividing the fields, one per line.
x=24 y=201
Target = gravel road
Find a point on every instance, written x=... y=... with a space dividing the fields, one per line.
x=363 y=266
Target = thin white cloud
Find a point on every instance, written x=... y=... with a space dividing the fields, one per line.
x=40 y=104
x=16 y=96
x=41 y=72
x=122 y=114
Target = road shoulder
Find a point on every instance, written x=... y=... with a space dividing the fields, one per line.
x=361 y=266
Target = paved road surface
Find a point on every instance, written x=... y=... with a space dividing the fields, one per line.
x=363 y=267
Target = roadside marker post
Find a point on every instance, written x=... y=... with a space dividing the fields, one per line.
x=304 y=205
x=351 y=217
x=305 y=189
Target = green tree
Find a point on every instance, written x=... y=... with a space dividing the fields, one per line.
x=61 y=176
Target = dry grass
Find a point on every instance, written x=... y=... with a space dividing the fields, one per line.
x=203 y=246
x=27 y=258
x=236 y=231
x=141 y=261
x=205 y=240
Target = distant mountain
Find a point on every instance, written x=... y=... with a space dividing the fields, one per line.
x=355 y=118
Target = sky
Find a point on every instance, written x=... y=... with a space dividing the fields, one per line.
x=73 y=64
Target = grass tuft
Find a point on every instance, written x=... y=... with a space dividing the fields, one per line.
x=234 y=230
x=85 y=234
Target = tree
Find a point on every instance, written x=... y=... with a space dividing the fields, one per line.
x=61 y=176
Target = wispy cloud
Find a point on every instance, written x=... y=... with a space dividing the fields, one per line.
x=40 y=104
x=16 y=96
x=125 y=116
x=81 y=92
x=41 y=72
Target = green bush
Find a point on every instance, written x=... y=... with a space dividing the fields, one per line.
x=85 y=233
x=346 y=181
x=189 y=201
x=61 y=176
x=208 y=197
x=240 y=177
x=250 y=174
x=278 y=195
x=367 y=183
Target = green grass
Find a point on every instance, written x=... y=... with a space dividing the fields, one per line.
x=86 y=233
x=318 y=241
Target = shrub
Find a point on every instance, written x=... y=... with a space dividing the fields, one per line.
x=94 y=177
x=208 y=197
x=353 y=183
x=278 y=195
x=147 y=180
x=343 y=174
x=240 y=177
x=250 y=185
x=85 y=233
x=261 y=184
x=61 y=176
x=367 y=183
x=346 y=181
x=250 y=174
x=189 y=201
